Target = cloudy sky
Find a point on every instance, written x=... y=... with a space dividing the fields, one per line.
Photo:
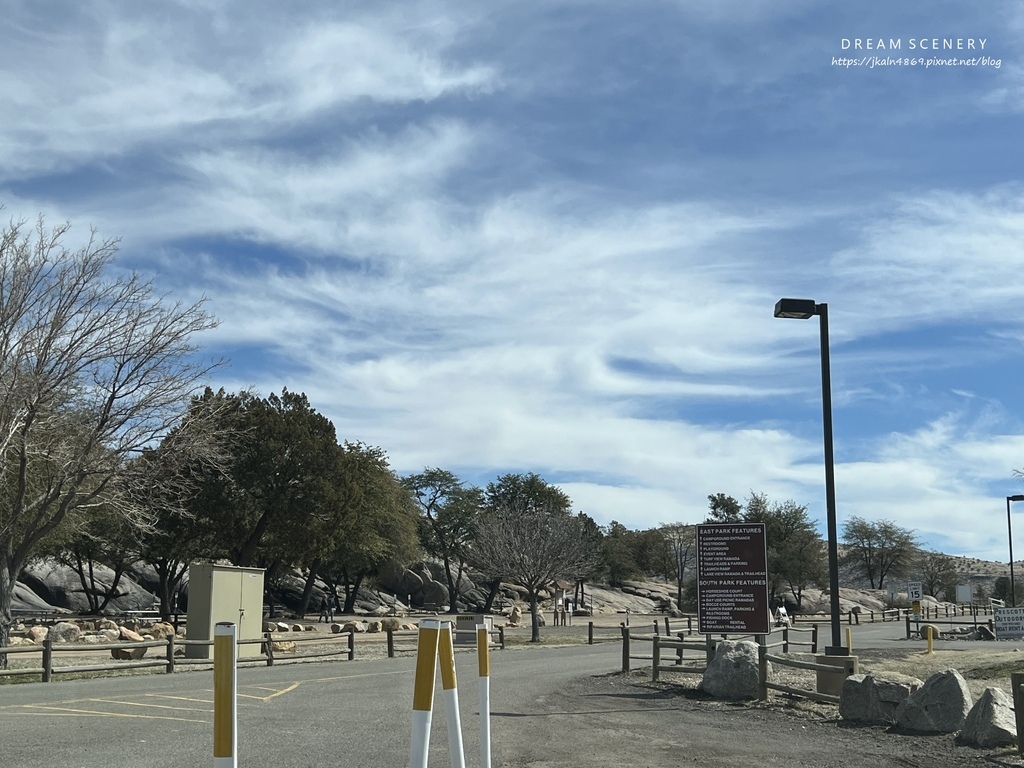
x=549 y=236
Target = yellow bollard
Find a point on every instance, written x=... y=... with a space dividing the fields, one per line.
x=929 y=632
x=483 y=657
x=423 y=693
x=450 y=690
x=225 y=695
x=849 y=640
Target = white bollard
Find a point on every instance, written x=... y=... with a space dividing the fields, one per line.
x=423 y=692
x=483 y=655
x=446 y=655
x=225 y=695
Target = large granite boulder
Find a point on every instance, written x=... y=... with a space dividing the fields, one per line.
x=27 y=600
x=65 y=632
x=875 y=697
x=991 y=722
x=60 y=586
x=130 y=635
x=434 y=593
x=733 y=672
x=128 y=654
x=940 y=705
x=37 y=633
x=161 y=630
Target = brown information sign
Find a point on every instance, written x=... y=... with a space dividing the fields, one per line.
x=732 y=579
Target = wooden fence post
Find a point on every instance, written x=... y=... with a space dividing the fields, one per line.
x=1016 y=680
x=270 y=649
x=656 y=658
x=655 y=626
x=762 y=672
x=170 y=654
x=814 y=638
x=908 y=626
x=351 y=646
x=709 y=648
x=590 y=633
x=785 y=639
x=625 y=647
x=391 y=643
x=48 y=658
x=668 y=631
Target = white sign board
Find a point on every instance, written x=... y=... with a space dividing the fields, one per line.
x=1009 y=623
x=964 y=593
x=914 y=590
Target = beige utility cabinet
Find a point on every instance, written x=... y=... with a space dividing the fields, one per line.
x=218 y=593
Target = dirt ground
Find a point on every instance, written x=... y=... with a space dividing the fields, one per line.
x=631 y=720
x=617 y=719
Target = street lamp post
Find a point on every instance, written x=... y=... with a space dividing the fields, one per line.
x=804 y=309
x=1009 y=534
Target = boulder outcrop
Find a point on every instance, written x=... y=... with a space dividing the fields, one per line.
x=940 y=705
x=991 y=722
x=875 y=697
x=733 y=672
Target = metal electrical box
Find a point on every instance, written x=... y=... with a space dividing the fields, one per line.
x=223 y=593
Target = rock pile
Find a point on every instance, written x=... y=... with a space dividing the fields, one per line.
x=103 y=631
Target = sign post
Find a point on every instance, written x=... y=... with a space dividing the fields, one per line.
x=915 y=591
x=1008 y=623
x=732 y=579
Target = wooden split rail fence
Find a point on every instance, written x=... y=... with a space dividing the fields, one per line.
x=989 y=623
x=169 y=661
x=682 y=641
x=764 y=685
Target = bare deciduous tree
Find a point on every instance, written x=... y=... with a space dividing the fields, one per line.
x=681 y=546
x=94 y=368
x=532 y=547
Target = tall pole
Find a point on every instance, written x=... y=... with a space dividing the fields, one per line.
x=1009 y=534
x=836 y=649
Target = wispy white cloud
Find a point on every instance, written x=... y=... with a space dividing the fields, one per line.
x=548 y=236
x=124 y=82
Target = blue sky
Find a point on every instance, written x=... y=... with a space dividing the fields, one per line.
x=549 y=236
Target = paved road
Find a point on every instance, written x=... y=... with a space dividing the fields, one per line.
x=338 y=713
x=323 y=714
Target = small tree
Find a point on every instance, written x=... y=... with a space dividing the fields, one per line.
x=681 y=543
x=723 y=509
x=529 y=537
x=449 y=511
x=94 y=368
x=618 y=554
x=796 y=553
x=879 y=550
x=939 y=575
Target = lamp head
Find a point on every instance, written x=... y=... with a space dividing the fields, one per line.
x=1018 y=497
x=800 y=309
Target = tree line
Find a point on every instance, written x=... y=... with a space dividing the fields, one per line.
x=107 y=456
